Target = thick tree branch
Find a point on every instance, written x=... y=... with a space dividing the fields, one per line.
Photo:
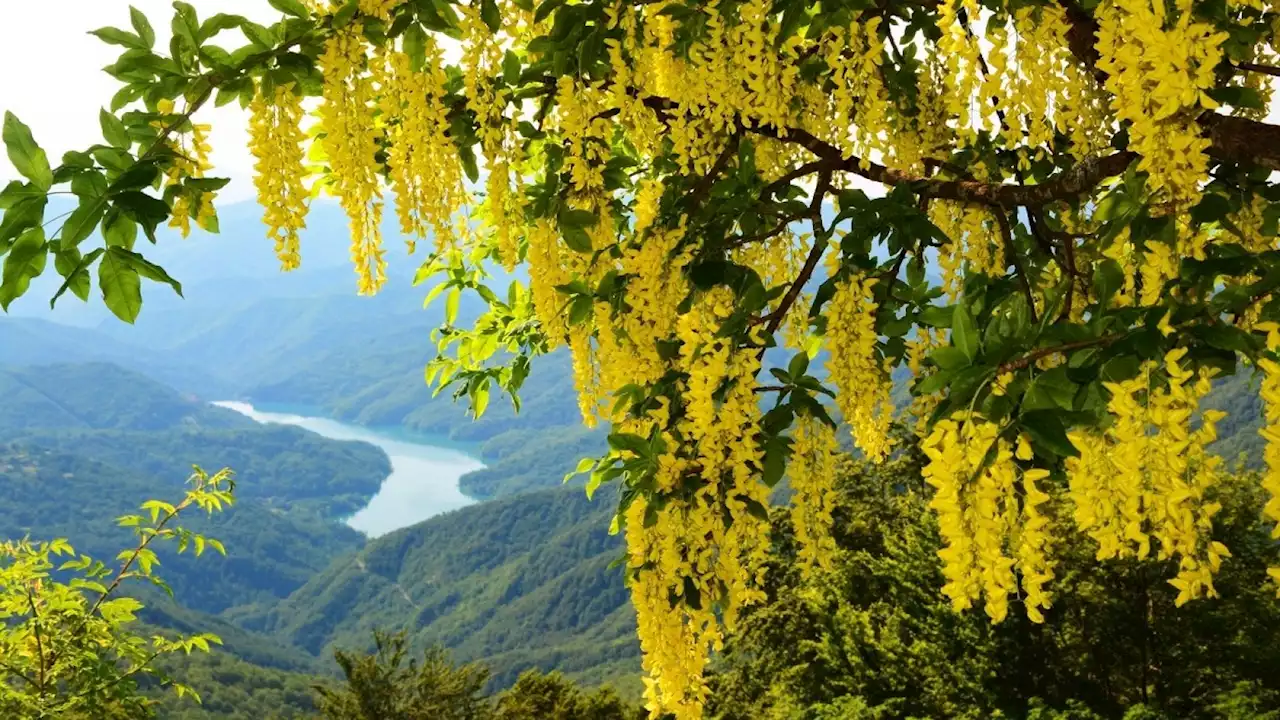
x=1255 y=67
x=1066 y=185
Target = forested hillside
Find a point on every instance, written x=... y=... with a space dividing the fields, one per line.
x=518 y=583
x=86 y=443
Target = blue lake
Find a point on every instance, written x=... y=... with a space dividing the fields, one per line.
x=424 y=471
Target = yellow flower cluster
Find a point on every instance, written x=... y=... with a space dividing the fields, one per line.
x=189 y=161
x=1271 y=433
x=657 y=285
x=481 y=59
x=423 y=161
x=960 y=52
x=855 y=368
x=918 y=348
x=812 y=471
x=275 y=139
x=350 y=142
x=854 y=55
x=973 y=240
x=708 y=542
x=1160 y=63
x=1148 y=476
x=975 y=475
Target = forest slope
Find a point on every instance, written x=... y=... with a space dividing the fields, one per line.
x=519 y=582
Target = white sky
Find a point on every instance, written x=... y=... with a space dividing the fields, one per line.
x=51 y=75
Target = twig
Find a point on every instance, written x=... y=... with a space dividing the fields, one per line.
x=1255 y=67
x=35 y=619
x=810 y=264
x=1011 y=250
x=703 y=188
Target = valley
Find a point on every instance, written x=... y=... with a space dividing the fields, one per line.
x=364 y=502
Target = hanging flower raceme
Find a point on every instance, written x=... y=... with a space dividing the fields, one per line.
x=423 y=162
x=481 y=59
x=190 y=160
x=987 y=534
x=856 y=369
x=1160 y=63
x=275 y=139
x=1141 y=488
x=813 y=468
x=350 y=141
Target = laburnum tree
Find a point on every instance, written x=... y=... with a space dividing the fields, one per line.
x=1057 y=219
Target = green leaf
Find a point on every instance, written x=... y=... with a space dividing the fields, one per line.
x=121 y=286
x=1051 y=390
x=776 y=452
x=1121 y=368
x=290 y=7
x=451 y=305
x=480 y=398
x=25 y=213
x=77 y=278
x=142 y=26
x=580 y=309
x=578 y=218
x=490 y=15
x=1108 y=279
x=1046 y=431
x=259 y=35
x=148 y=269
x=25 y=154
x=630 y=443
x=964 y=335
x=116 y=36
x=345 y=13
x=114 y=130
x=950 y=358
x=119 y=230
x=83 y=221
x=510 y=68
x=17 y=191
x=584 y=465
x=799 y=365
x=26 y=259
x=939 y=317
x=415 y=46
x=576 y=238
x=217 y=23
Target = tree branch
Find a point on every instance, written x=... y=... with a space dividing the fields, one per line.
x=35 y=620
x=1068 y=184
x=1255 y=67
x=811 y=263
x=703 y=188
x=1006 y=233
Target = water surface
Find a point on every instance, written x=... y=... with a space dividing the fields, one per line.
x=424 y=470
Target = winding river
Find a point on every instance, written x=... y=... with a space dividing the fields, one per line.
x=424 y=472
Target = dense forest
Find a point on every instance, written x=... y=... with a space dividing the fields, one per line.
x=873 y=638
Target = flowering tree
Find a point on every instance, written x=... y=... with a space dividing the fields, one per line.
x=1077 y=231
x=68 y=647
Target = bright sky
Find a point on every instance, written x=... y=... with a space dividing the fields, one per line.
x=51 y=75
